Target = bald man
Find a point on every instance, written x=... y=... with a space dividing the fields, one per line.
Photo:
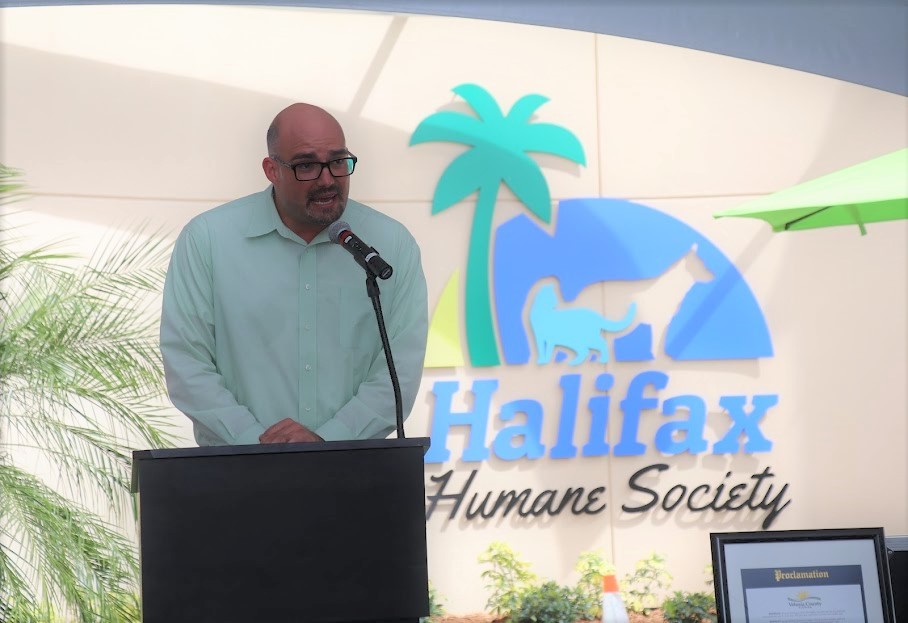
x=267 y=333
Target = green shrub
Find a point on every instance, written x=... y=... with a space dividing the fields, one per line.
x=592 y=566
x=550 y=603
x=435 y=607
x=507 y=578
x=641 y=588
x=689 y=608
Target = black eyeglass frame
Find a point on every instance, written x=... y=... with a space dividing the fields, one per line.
x=322 y=167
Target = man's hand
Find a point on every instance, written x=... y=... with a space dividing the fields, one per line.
x=288 y=431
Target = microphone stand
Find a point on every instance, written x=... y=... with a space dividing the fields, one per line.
x=372 y=290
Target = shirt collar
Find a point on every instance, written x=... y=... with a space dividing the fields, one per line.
x=263 y=217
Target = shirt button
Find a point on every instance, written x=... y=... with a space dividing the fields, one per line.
x=306 y=327
x=308 y=367
x=308 y=408
x=308 y=287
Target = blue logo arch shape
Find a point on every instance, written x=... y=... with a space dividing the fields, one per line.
x=604 y=239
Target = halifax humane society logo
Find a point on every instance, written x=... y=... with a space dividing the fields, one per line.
x=528 y=287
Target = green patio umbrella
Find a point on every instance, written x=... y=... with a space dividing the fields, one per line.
x=869 y=192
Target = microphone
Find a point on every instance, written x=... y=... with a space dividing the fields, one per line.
x=367 y=257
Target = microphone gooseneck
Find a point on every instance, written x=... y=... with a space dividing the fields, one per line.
x=339 y=233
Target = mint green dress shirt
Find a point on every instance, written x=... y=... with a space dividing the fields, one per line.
x=257 y=325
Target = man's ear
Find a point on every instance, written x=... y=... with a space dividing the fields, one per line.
x=270 y=169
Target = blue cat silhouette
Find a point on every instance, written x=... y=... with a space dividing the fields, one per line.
x=576 y=329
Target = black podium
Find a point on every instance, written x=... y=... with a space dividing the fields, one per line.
x=284 y=533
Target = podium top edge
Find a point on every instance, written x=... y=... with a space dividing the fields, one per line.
x=281 y=448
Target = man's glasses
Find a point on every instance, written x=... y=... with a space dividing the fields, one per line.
x=308 y=171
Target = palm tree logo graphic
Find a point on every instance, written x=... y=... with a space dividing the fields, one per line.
x=499 y=154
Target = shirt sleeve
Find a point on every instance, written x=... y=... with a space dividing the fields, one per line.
x=188 y=346
x=370 y=414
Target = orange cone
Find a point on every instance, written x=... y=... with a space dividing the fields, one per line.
x=613 y=610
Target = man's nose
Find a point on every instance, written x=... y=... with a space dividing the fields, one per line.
x=325 y=177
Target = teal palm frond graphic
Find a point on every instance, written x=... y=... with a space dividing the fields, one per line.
x=500 y=145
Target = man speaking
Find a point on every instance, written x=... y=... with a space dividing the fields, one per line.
x=267 y=332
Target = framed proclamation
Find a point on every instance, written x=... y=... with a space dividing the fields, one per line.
x=802 y=576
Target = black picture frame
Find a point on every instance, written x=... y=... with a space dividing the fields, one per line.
x=897 y=548
x=826 y=539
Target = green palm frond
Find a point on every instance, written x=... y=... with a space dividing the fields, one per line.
x=526 y=181
x=80 y=387
x=94 y=566
x=11 y=190
x=524 y=108
x=11 y=186
x=464 y=176
x=481 y=101
x=546 y=138
x=448 y=126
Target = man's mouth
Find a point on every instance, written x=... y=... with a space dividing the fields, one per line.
x=324 y=198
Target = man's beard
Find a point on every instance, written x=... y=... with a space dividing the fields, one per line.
x=317 y=214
